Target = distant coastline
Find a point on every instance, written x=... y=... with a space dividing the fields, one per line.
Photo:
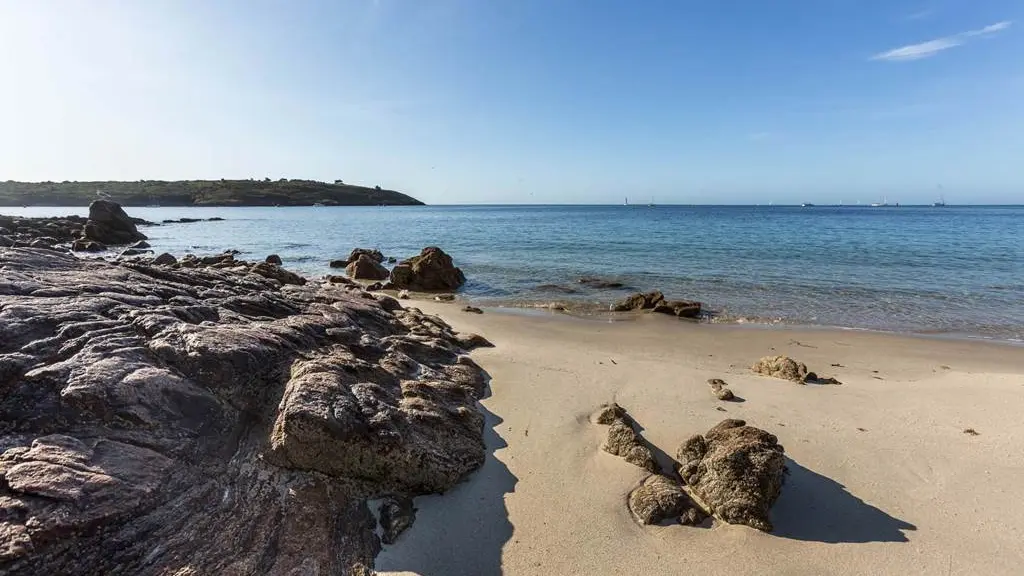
x=283 y=192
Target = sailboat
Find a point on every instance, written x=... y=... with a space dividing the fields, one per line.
x=626 y=203
x=651 y=205
x=942 y=200
x=884 y=203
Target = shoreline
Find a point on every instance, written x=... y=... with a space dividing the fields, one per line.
x=614 y=317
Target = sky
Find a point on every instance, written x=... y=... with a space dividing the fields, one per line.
x=526 y=101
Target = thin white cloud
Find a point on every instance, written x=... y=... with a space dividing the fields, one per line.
x=933 y=47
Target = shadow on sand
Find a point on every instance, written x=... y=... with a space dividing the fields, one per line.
x=819 y=509
x=463 y=531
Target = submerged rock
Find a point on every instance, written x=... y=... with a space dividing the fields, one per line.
x=660 y=498
x=639 y=301
x=601 y=284
x=431 y=271
x=736 y=470
x=679 y=308
x=206 y=419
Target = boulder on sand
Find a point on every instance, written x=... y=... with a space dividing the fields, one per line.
x=109 y=224
x=624 y=441
x=720 y=389
x=736 y=470
x=431 y=271
x=660 y=498
x=366 y=268
x=786 y=368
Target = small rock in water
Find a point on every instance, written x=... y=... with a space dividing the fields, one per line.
x=274 y=259
x=444 y=297
x=165 y=259
x=472 y=310
x=430 y=271
x=367 y=268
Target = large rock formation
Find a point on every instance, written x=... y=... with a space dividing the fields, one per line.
x=431 y=271
x=109 y=224
x=200 y=417
x=366 y=268
x=736 y=470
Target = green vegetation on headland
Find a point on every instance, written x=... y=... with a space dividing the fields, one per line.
x=266 y=192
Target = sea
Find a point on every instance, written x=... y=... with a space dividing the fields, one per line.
x=953 y=270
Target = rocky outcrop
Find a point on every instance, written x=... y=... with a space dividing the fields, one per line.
x=274 y=259
x=204 y=418
x=366 y=268
x=659 y=499
x=655 y=301
x=431 y=271
x=786 y=368
x=736 y=470
x=109 y=224
x=18 y=231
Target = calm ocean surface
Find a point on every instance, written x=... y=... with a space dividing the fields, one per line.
x=952 y=270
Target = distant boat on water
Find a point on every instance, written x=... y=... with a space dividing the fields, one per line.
x=807 y=205
x=882 y=204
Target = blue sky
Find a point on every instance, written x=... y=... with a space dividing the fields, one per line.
x=526 y=101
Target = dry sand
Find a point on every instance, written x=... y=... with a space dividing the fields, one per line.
x=883 y=479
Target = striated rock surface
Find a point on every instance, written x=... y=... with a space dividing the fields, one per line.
x=736 y=470
x=431 y=271
x=202 y=417
x=659 y=499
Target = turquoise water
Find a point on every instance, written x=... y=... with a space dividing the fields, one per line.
x=952 y=270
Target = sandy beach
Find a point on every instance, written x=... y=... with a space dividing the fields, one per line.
x=882 y=477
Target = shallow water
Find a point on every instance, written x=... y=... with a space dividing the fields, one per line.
x=952 y=270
